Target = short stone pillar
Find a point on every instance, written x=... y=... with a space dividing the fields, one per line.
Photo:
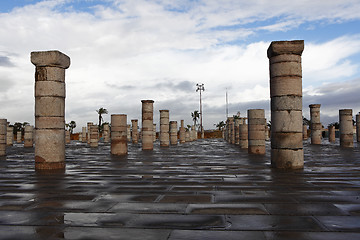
x=147 y=124
x=50 y=109
x=331 y=129
x=164 y=128
x=88 y=132
x=256 y=131
x=193 y=133
x=286 y=104
x=128 y=131
x=83 y=134
x=305 y=135
x=315 y=124
x=18 y=137
x=243 y=134
x=67 y=137
x=94 y=136
x=358 y=127
x=346 y=128
x=182 y=132
x=119 y=134
x=187 y=136
x=3 y=131
x=236 y=130
x=134 y=131
x=10 y=136
x=173 y=133
x=28 y=136
x=106 y=133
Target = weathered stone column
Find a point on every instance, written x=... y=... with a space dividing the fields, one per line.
x=10 y=136
x=173 y=133
x=331 y=129
x=243 y=134
x=89 y=124
x=128 y=132
x=305 y=135
x=50 y=109
x=286 y=104
x=147 y=124
x=83 y=133
x=236 y=130
x=134 y=131
x=154 y=132
x=358 y=127
x=192 y=133
x=3 y=131
x=315 y=124
x=187 y=136
x=106 y=133
x=119 y=134
x=28 y=136
x=67 y=136
x=18 y=137
x=182 y=132
x=164 y=128
x=256 y=131
x=346 y=128
x=94 y=136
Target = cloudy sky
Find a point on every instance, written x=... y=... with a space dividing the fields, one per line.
x=123 y=51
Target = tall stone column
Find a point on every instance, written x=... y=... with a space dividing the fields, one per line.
x=346 y=128
x=67 y=137
x=256 y=131
x=129 y=132
x=94 y=136
x=154 y=132
x=106 y=133
x=358 y=127
x=134 y=131
x=173 y=133
x=147 y=124
x=236 y=130
x=83 y=133
x=187 y=136
x=164 y=128
x=305 y=135
x=286 y=104
x=182 y=132
x=119 y=134
x=10 y=136
x=243 y=134
x=3 y=131
x=50 y=109
x=89 y=124
x=28 y=136
x=18 y=137
x=315 y=124
x=331 y=129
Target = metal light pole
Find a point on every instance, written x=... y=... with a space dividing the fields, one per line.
x=200 y=87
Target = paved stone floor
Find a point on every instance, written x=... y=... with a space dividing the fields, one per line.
x=206 y=189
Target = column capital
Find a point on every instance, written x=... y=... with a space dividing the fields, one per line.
x=50 y=59
x=285 y=47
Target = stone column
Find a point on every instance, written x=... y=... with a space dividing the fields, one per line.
x=358 y=127
x=346 y=128
x=236 y=129
x=267 y=133
x=315 y=124
x=286 y=104
x=119 y=134
x=134 y=131
x=154 y=132
x=173 y=133
x=18 y=137
x=94 y=136
x=187 y=136
x=67 y=136
x=164 y=128
x=3 y=131
x=89 y=124
x=10 y=136
x=106 y=133
x=50 y=109
x=256 y=131
x=128 y=132
x=147 y=124
x=192 y=133
x=331 y=129
x=28 y=136
x=305 y=135
x=80 y=137
x=83 y=133
x=243 y=134
x=182 y=132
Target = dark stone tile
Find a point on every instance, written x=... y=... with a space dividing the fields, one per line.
x=234 y=209
x=303 y=209
x=97 y=219
x=341 y=223
x=310 y=235
x=149 y=208
x=30 y=232
x=215 y=235
x=186 y=199
x=253 y=199
x=349 y=209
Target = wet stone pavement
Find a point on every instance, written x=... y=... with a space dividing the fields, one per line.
x=206 y=189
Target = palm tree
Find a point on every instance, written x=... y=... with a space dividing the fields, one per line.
x=195 y=116
x=101 y=111
x=71 y=126
x=220 y=125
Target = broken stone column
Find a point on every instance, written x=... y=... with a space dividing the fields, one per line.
x=28 y=136
x=173 y=133
x=358 y=127
x=67 y=137
x=134 y=131
x=88 y=131
x=164 y=128
x=3 y=131
x=18 y=137
x=231 y=130
x=119 y=134
x=243 y=134
x=315 y=124
x=346 y=128
x=106 y=133
x=94 y=136
x=286 y=104
x=305 y=135
x=50 y=109
x=256 y=131
x=10 y=136
x=331 y=130
x=147 y=124
x=128 y=132
x=182 y=132
x=236 y=129
x=83 y=134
